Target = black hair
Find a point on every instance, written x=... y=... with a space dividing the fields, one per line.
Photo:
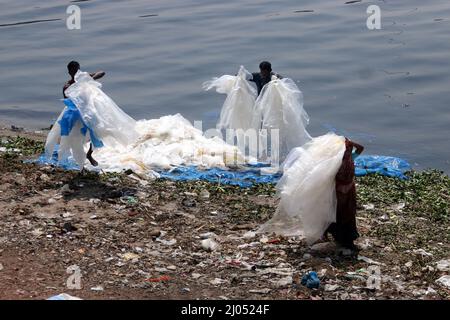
x=73 y=66
x=265 y=65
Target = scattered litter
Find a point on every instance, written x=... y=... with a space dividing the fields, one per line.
x=310 y=280
x=423 y=253
x=204 y=194
x=63 y=296
x=444 y=281
x=129 y=256
x=260 y=291
x=98 y=288
x=443 y=265
x=167 y=242
x=369 y=261
x=217 y=281
x=159 y=279
x=331 y=287
x=284 y=282
x=209 y=245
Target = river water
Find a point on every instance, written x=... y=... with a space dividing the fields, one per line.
x=387 y=89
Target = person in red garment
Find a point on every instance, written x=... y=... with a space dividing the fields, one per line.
x=344 y=230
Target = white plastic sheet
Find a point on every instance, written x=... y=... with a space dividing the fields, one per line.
x=307 y=189
x=128 y=144
x=237 y=110
x=72 y=147
x=280 y=106
x=100 y=113
x=165 y=143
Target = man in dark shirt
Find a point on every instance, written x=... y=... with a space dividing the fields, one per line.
x=264 y=76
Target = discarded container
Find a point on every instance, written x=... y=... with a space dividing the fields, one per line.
x=310 y=280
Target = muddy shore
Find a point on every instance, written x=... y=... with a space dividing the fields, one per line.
x=142 y=239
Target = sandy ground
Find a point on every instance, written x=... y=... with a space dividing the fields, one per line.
x=137 y=239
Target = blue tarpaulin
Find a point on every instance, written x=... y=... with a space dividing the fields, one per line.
x=367 y=164
x=386 y=166
x=242 y=178
x=69 y=119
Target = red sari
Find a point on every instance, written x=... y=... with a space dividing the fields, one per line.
x=344 y=230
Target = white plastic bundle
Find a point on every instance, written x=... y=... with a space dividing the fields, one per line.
x=237 y=110
x=165 y=143
x=307 y=189
x=280 y=106
x=100 y=113
x=159 y=143
x=71 y=147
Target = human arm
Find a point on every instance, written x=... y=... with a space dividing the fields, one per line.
x=359 y=148
x=97 y=75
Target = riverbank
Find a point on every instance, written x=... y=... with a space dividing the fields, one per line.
x=139 y=239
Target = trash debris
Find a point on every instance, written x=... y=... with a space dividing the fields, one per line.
x=63 y=296
x=369 y=206
x=129 y=256
x=422 y=252
x=209 y=245
x=155 y=233
x=331 y=287
x=98 y=288
x=443 y=265
x=167 y=242
x=159 y=279
x=249 y=235
x=310 y=280
x=284 y=282
x=260 y=291
x=368 y=260
x=444 y=281
x=204 y=194
x=217 y=281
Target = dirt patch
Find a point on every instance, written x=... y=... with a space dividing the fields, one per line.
x=135 y=239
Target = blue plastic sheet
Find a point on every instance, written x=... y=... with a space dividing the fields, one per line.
x=384 y=165
x=367 y=164
x=70 y=117
x=243 y=178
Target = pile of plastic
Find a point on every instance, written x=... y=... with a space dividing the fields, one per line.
x=307 y=189
x=278 y=107
x=89 y=115
x=237 y=110
x=121 y=143
x=172 y=148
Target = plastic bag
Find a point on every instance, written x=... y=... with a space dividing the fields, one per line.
x=237 y=110
x=100 y=113
x=307 y=189
x=280 y=106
